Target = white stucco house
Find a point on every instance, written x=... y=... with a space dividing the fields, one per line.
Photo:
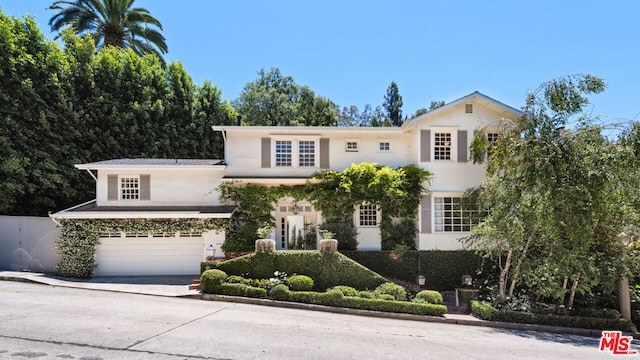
x=437 y=141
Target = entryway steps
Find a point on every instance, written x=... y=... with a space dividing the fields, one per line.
x=195 y=285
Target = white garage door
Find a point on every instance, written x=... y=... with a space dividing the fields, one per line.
x=134 y=256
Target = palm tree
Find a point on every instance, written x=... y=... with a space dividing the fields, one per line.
x=111 y=23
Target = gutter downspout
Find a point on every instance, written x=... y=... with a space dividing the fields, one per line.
x=93 y=176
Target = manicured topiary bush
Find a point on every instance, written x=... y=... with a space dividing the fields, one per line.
x=366 y=294
x=389 y=288
x=279 y=292
x=326 y=270
x=346 y=290
x=300 y=283
x=430 y=296
x=385 y=297
x=211 y=280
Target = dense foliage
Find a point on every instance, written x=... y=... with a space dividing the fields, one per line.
x=443 y=270
x=63 y=107
x=276 y=100
x=558 y=197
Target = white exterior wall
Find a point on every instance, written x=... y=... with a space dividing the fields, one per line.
x=168 y=187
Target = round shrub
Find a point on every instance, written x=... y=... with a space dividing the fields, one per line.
x=235 y=279
x=365 y=294
x=430 y=296
x=346 y=290
x=210 y=280
x=333 y=297
x=392 y=289
x=300 y=283
x=279 y=292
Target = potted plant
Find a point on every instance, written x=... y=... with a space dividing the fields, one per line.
x=328 y=243
x=263 y=244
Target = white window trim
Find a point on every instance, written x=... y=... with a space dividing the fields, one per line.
x=346 y=147
x=120 y=177
x=434 y=226
x=380 y=141
x=378 y=213
x=295 y=151
x=454 y=144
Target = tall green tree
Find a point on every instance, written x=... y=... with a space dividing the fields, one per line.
x=557 y=198
x=393 y=105
x=111 y=23
x=276 y=100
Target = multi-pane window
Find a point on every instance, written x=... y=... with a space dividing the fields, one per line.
x=450 y=216
x=385 y=146
x=283 y=153
x=492 y=137
x=307 y=153
x=129 y=188
x=352 y=146
x=442 y=146
x=368 y=215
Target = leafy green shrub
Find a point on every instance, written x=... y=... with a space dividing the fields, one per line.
x=366 y=294
x=333 y=297
x=385 y=297
x=279 y=292
x=393 y=306
x=300 y=283
x=344 y=232
x=307 y=297
x=346 y=290
x=232 y=289
x=487 y=312
x=482 y=310
x=430 y=296
x=326 y=270
x=255 y=292
x=211 y=280
x=389 y=288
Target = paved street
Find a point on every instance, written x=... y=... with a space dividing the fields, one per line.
x=47 y=322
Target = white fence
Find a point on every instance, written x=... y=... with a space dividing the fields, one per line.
x=28 y=244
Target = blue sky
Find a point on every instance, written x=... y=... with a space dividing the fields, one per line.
x=350 y=51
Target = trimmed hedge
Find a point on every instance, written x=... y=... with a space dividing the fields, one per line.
x=443 y=270
x=430 y=296
x=487 y=312
x=335 y=298
x=327 y=270
x=237 y=289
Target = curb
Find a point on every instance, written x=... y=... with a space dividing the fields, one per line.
x=425 y=318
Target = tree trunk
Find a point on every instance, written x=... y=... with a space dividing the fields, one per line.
x=516 y=272
x=504 y=271
x=572 y=294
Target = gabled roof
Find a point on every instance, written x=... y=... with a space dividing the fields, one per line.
x=146 y=162
x=464 y=99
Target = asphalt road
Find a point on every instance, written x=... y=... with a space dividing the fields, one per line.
x=47 y=322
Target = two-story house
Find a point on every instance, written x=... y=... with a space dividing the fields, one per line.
x=437 y=141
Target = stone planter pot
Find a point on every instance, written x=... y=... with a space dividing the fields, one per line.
x=328 y=245
x=265 y=245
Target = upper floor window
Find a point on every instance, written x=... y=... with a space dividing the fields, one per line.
x=450 y=216
x=385 y=146
x=368 y=215
x=352 y=146
x=283 y=153
x=129 y=187
x=442 y=146
x=307 y=154
x=492 y=137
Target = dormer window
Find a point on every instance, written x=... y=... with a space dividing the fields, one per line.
x=129 y=187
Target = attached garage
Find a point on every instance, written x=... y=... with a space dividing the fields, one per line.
x=138 y=255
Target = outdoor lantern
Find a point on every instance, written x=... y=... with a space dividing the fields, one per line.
x=211 y=253
x=420 y=280
x=467 y=280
